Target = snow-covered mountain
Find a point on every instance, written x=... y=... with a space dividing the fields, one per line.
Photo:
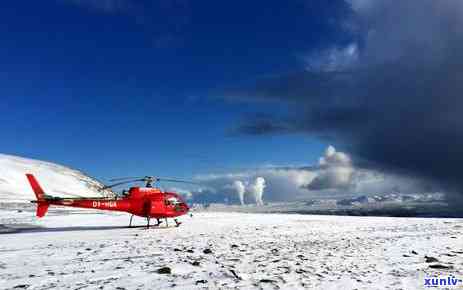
x=56 y=180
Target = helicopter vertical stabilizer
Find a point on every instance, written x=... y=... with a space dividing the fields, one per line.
x=42 y=204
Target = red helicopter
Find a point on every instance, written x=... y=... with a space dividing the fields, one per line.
x=148 y=202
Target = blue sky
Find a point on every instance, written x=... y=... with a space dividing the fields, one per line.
x=132 y=87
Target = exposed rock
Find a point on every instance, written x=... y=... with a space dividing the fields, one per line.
x=207 y=251
x=164 y=270
x=201 y=282
x=439 y=266
x=449 y=255
x=267 y=281
x=234 y=274
x=430 y=259
x=286 y=270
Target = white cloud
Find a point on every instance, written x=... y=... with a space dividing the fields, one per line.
x=334 y=176
x=333 y=158
x=336 y=171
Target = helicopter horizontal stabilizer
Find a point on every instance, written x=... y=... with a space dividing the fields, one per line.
x=42 y=208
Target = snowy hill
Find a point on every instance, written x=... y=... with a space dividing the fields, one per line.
x=55 y=179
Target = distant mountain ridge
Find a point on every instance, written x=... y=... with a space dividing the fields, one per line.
x=56 y=180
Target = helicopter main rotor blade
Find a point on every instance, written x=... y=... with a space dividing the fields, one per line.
x=147 y=179
x=124 y=178
x=176 y=180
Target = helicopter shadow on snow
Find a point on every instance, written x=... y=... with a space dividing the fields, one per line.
x=29 y=228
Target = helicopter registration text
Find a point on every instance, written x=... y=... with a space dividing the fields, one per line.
x=106 y=204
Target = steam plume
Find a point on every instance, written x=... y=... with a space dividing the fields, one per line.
x=257 y=189
x=240 y=189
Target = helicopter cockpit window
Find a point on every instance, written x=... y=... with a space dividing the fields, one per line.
x=172 y=201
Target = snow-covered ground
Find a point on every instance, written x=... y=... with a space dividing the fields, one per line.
x=90 y=250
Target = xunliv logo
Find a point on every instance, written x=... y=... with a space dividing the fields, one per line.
x=441 y=281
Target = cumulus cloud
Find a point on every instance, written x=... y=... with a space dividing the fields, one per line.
x=335 y=176
x=336 y=171
x=332 y=158
x=397 y=106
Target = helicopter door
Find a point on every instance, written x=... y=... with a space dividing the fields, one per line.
x=157 y=207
